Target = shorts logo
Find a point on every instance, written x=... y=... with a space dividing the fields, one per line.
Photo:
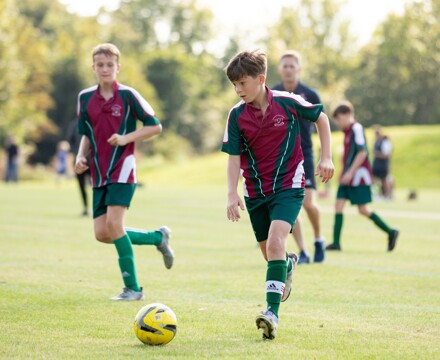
x=278 y=120
x=116 y=110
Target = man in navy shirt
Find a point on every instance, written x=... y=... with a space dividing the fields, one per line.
x=289 y=69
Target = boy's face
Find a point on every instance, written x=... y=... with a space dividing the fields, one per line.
x=343 y=121
x=248 y=88
x=106 y=68
x=289 y=69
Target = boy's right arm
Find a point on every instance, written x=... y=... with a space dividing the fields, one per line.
x=234 y=201
x=81 y=157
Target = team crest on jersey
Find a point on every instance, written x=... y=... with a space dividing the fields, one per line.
x=278 y=120
x=116 y=110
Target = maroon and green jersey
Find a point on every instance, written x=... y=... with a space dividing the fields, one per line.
x=269 y=146
x=98 y=119
x=354 y=141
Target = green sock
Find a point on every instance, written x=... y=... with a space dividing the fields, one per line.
x=339 y=219
x=380 y=223
x=275 y=280
x=289 y=263
x=142 y=237
x=126 y=262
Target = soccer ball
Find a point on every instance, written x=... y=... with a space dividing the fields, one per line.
x=155 y=324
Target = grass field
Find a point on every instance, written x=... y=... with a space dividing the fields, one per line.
x=362 y=303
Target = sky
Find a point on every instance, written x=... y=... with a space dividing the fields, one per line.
x=252 y=16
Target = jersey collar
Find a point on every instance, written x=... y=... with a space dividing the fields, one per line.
x=269 y=99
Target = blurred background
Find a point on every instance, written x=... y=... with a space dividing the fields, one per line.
x=384 y=56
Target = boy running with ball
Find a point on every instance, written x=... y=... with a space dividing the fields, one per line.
x=107 y=118
x=264 y=145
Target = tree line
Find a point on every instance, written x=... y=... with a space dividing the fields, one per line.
x=45 y=60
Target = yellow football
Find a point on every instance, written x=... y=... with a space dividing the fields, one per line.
x=155 y=324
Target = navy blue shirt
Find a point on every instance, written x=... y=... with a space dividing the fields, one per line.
x=305 y=127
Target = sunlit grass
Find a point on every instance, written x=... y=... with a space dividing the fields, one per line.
x=55 y=280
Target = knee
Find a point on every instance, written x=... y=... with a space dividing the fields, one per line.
x=103 y=236
x=275 y=244
x=363 y=211
x=113 y=225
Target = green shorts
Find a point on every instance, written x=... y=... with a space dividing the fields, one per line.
x=283 y=205
x=358 y=195
x=112 y=194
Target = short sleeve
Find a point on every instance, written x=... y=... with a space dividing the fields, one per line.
x=303 y=109
x=142 y=110
x=359 y=137
x=231 y=139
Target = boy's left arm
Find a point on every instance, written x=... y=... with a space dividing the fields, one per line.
x=325 y=167
x=142 y=111
x=143 y=133
x=357 y=162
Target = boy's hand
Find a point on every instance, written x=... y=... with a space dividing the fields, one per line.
x=234 y=202
x=325 y=170
x=80 y=164
x=346 y=178
x=117 y=140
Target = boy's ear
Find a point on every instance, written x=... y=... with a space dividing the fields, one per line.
x=262 y=79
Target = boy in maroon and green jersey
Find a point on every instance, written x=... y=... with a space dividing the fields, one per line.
x=107 y=119
x=356 y=176
x=263 y=142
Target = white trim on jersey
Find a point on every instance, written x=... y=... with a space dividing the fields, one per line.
x=358 y=132
x=256 y=174
x=297 y=178
x=245 y=192
x=226 y=134
x=298 y=98
x=282 y=159
x=144 y=103
x=360 y=174
x=89 y=89
x=128 y=166
x=115 y=149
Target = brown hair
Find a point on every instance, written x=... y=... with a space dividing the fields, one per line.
x=106 y=49
x=292 y=54
x=246 y=63
x=343 y=108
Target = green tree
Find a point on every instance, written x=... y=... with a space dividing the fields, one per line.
x=24 y=74
x=56 y=31
x=190 y=92
x=396 y=79
x=317 y=30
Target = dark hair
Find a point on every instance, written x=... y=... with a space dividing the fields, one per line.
x=246 y=63
x=343 y=108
